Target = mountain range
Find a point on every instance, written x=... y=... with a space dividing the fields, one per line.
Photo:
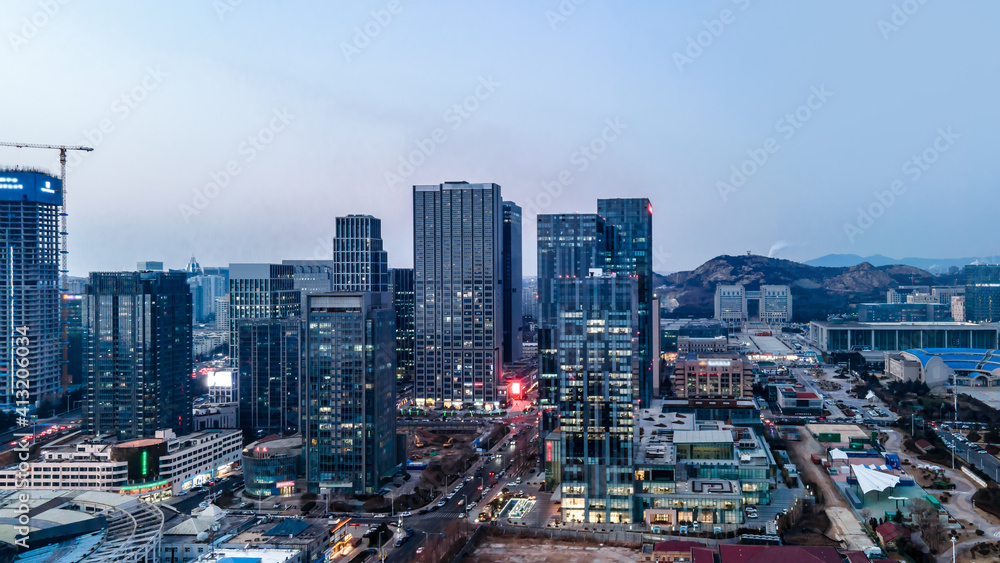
x=817 y=291
x=932 y=265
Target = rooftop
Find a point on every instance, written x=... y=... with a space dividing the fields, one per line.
x=703 y=437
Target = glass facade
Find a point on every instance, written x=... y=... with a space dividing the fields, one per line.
x=270 y=467
x=349 y=393
x=268 y=377
x=260 y=291
x=402 y=302
x=29 y=282
x=513 y=321
x=359 y=261
x=458 y=301
x=137 y=342
x=982 y=293
x=597 y=359
x=889 y=337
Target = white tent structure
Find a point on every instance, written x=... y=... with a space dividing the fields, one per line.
x=872 y=480
x=838 y=454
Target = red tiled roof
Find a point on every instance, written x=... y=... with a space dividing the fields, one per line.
x=778 y=554
x=855 y=556
x=677 y=545
x=806 y=396
x=891 y=530
x=702 y=555
x=924 y=444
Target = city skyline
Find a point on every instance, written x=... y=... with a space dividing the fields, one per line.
x=677 y=104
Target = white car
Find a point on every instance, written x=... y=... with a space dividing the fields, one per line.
x=406 y=514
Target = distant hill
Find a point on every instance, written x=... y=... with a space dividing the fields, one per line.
x=816 y=291
x=932 y=265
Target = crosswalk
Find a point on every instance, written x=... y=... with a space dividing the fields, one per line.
x=440 y=514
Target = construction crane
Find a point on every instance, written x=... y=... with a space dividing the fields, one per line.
x=63 y=232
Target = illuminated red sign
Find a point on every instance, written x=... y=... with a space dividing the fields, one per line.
x=548 y=451
x=515 y=388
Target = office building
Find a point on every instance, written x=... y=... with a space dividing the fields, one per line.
x=216 y=416
x=843 y=336
x=899 y=294
x=569 y=246
x=205 y=292
x=401 y=280
x=903 y=312
x=513 y=321
x=349 y=424
x=269 y=359
x=458 y=317
x=30 y=333
x=74 y=368
x=671 y=330
x=529 y=300
x=359 y=261
x=154 y=468
x=773 y=303
x=271 y=465
x=311 y=277
x=149 y=266
x=221 y=385
x=718 y=375
x=958 y=308
x=689 y=344
x=137 y=331
x=598 y=372
x=629 y=236
x=982 y=293
x=260 y=291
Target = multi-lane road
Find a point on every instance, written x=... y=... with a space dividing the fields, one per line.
x=985 y=462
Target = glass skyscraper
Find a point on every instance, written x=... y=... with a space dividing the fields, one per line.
x=629 y=234
x=269 y=352
x=29 y=276
x=349 y=429
x=137 y=333
x=402 y=303
x=458 y=318
x=359 y=262
x=513 y=321
x=569 y=246
x=598 y=360
x=982 y=293
x=260 y=291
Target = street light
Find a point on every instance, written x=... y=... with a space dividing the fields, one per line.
x=953 y=540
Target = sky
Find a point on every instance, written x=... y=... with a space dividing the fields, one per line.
x=237 y=131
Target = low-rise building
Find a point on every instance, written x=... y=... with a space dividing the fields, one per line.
x=845 y=336
x=271 y=465
x=153 y=468
x=727 y=375
x=252 y=555
x=698 y=474
x=792 y=401
x=696 y=345
x=311 y=537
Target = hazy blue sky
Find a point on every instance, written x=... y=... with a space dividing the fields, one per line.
x=180 y=87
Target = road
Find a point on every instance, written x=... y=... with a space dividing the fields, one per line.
x=985 y=462
x=430 y=527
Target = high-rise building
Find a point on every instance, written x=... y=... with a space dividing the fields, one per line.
x=569 y=246
x=260 y=291
x=629 y=235
x=513 y=322
x=75 y=366
x=359 y=261
x=312 y=277
x=401 y=280
x=137 y=333
x=458 y=318
x=982 y=293
x=149 y=266
x=598 y=360
x=269 y=376
x=30 y=334
x=205 y=291
x=349 y=424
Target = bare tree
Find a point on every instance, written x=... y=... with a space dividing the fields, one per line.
x=927 y=520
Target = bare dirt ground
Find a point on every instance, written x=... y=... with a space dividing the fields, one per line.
x=531 y=550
